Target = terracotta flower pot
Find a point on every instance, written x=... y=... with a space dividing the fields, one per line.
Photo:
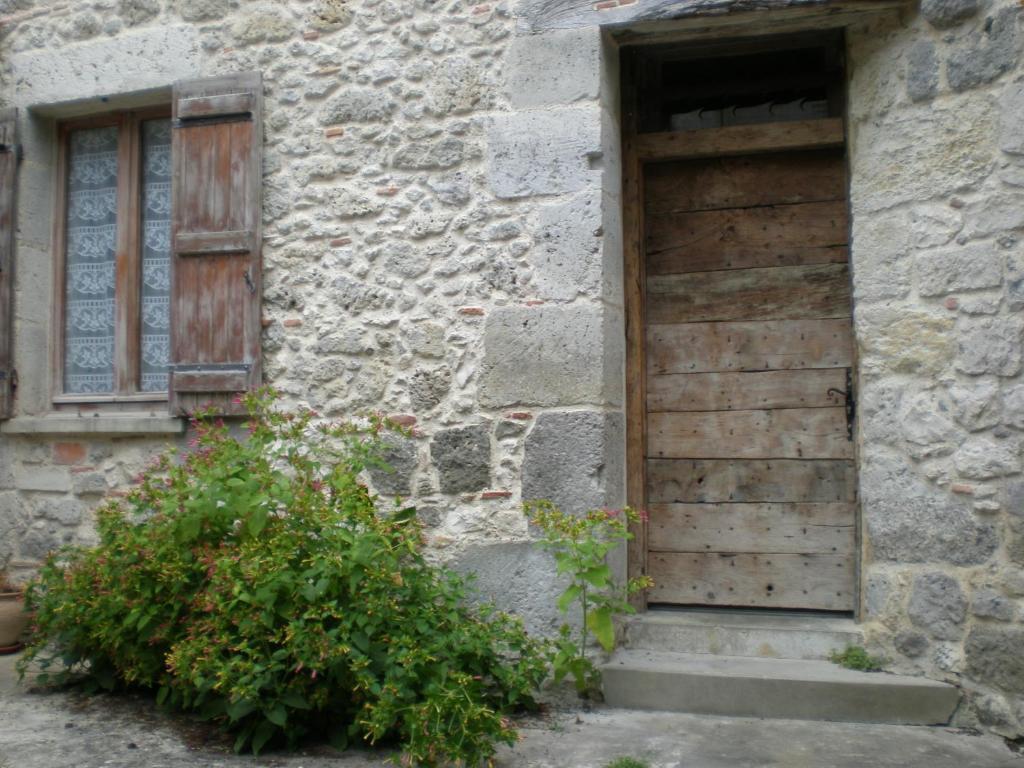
x=13 y=620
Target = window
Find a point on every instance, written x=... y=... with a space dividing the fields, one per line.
x=157 y=245
x=115 y=252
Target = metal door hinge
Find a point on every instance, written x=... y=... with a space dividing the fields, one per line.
x=850 y=402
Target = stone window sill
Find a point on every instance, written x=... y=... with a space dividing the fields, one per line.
x=99 y=424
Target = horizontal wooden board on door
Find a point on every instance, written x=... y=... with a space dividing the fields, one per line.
x=745 y=390
x=674 y=239
x=750 y=480
x=776 y=293
x=825 y=528
x=785 y=433
x=811 y=581
x=744 y=182
x=750 y=346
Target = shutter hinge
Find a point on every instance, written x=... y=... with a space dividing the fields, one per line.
x=248 y=281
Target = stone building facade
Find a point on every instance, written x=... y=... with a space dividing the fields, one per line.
x=442 y=241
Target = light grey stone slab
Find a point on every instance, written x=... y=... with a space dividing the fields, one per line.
x=117 y=65
x=994 y=656
x=909 y=520
x=517 y=577
x=575 y=459
x=401 y=457
x=544 y=152
x=547 y=355
x=982 y=458
x=566 y=256
x=554 y=68
x=749 y=687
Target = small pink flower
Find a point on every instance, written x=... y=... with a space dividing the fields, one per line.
x=642 y=514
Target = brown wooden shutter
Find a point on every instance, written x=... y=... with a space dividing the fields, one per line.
x=9 y=151
x=215 y=235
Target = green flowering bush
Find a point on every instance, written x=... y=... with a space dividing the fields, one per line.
x=253 y=580
x=580 y=545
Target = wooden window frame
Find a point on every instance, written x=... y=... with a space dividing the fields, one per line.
x=128 y=259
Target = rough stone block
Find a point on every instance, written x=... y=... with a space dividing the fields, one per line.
x=202 y=10
x=937 y=605
x=65 y=511
x=881 y=265
x=554 y=68
x=921 y=153
x=994 y=215
x=462 y=457
x=428 y=387
x=943 y=14
x=911 y=644
x=897 y=339
x=1013 y=399
x=925 y=426
x=1014 y=282
x=358 y=105
x=89 y=484
x=958 y=268
x=1011 y=112
x=981 y=458
x=425 y=155
x=567 y=251
x=42 y=478
x=994 y=656
x=459 y=85
x=911 y=521
x=575 y=459
x=989 y=604
x=547 y=355
x=922 y=71
x=401 y=457
x=932 y=224
x=517 y=577
x=990 y=345
x=544 y=152
x=111 y=66
x=976 y=404
x=994 y=52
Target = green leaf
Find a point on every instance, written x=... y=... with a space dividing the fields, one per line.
x=257 y=521
x=238 y=709
x=599 y=621
x=278 y=715
x=261 y=735
x=597 y=576
x=162 y=694
x=404 y=515
x=295 y=700
x=566 y=598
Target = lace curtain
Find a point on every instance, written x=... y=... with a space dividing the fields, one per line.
x=89 y=328
x=156 y=254
x=90 y=267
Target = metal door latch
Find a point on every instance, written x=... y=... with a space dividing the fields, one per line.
x=851 y=405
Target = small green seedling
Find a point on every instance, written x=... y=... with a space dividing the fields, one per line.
x=627 y=762
x=855 y=657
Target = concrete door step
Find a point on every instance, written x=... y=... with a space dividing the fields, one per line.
x=776 y=688
x=776 y=636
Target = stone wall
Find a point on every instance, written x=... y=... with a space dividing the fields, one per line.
x=937 y=194
x=442 y=242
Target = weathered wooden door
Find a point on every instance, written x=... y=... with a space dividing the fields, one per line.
x=749 y=461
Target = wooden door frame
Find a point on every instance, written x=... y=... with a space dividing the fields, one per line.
x=638 y=149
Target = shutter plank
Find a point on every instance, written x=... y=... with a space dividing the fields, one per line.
x=215 y=339
x=8 y=182
x=750 y=390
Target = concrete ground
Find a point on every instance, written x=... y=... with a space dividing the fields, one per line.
x=58 y=730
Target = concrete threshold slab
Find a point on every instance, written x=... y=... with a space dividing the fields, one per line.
x=733 y=633
x=774 y=688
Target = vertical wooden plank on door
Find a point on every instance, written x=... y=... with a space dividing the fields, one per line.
x=634 y=281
